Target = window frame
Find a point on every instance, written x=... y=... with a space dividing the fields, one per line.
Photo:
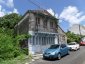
x=51 y=24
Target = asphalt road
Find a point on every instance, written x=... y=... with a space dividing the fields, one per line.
x=75 y=57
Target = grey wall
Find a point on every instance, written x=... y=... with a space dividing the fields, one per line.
x=33 y=26
x=62 y=36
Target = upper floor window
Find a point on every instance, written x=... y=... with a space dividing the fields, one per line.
x=45 y=23
x=51 y=24
x=38 y=21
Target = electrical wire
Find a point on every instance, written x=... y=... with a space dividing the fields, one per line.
x=35 y=4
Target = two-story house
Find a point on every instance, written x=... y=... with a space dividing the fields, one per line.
x=43 y=28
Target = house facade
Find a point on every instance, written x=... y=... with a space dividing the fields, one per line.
x=43 y=28
x=62 y=36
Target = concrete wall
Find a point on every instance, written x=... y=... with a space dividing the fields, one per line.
x=23 y=26
x=28 y=23
x=62 y=36
x=33 y=26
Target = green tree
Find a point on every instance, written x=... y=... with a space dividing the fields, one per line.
x=9 y=45
x=9 y=21
x=6 y=46
x=71 y=37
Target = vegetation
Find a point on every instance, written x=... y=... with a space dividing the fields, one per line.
x=9 y=21
x=71 y=37
x=9 y=44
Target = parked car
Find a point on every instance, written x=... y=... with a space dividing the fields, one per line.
x=73 y=46
x=82 y=43
x=56 y=51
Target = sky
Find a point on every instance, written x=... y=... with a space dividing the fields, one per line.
x=68 y=12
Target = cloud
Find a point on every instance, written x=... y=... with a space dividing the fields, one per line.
x=15 y=11
x=1 y=1
x=8 y=3
x=4 y=11
x=72 y=15
x=1 y=12
x=52 y=12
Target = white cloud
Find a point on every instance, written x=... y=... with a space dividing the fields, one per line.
x=4 y=11
x=72 y=15
x=1 y=12
x=15 y=11
x=8 y=3
x=1 y=1
x=52 y=12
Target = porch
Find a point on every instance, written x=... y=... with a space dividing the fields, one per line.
x=41 y=40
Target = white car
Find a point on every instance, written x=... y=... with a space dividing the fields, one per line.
x=73 y=46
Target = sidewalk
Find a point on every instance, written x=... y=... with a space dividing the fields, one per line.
x=84 y=62
x=35 y=57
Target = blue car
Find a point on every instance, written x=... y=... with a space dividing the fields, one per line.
x=56 y=51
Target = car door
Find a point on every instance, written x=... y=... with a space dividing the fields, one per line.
x=63 y=49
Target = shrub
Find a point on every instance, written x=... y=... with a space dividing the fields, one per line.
x=25 y=51
x=6 y=46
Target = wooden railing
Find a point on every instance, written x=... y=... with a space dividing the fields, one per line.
x=45 y=29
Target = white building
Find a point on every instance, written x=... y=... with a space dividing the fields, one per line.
x=77 y=29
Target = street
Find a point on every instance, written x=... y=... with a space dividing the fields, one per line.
x=75 y=57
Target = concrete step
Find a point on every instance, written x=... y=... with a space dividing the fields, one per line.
x=37 y=56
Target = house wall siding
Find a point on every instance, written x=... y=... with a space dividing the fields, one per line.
x=62 y=36
x=34 y=27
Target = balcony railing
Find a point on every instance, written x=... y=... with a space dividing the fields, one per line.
x=45 y=29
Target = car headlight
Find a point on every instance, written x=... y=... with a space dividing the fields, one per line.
x=53 y=53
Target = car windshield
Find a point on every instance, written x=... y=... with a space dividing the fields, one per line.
x=71 y=44
x=54 y=46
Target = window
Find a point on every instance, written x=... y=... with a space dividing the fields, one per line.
x=63 y=45
x=51 y=24
x=45 y=24
x=54 y=46
x=38 y=21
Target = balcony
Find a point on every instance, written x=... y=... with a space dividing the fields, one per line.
x=41 y=28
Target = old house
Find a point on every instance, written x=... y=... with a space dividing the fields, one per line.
x=62 y=36
x=43 y=28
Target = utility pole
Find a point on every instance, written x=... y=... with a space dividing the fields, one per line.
x=80 y=32
x=80 y=29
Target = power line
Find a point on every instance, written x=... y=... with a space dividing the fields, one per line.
x=40 y=4
x=35 y=4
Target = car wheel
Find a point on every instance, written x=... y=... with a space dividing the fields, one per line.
x=68 y=52
x=79 y=48
x=59 y=56
x=76 y=49
x=44 y=58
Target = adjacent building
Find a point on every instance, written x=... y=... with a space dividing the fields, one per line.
x=77 y=29
x=44 y=29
